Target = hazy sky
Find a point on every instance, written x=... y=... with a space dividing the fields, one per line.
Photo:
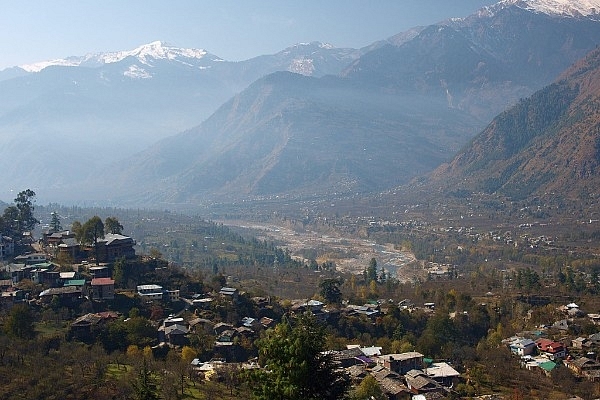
x=38 y=30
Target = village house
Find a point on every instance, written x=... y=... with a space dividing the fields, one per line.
x=99 y=271
x=371 y=351
x=173 y=332
x=418 y=382
x=150 y=292
x=406 y=304
x=356 y=373
x=70 y=294
x=11 y=296
x=172 y=295
x=102 y=289
x=221 y=327
x=594 y=318
x=7 y=247
x=584 y=367
x=69 y=248
x=579 y=343
x=110 y=248
x=153 y=292
x=6 y=284
x=44 y=274
x=244 y=331
x=83 y=327
x=553 y=350
x=391 y=383
x=67 y=276
x=538 y=363
x=54 y=239
x=202 y=302
x=251 y=323
x=521 y=346
x=349 y=357
x=267 y=322
x=370 y=310
x=80 y=283
x=201 y=325
x=442 y=373
x=562 y=325
x=31 y=259
x=176 y=335
x=394 y=389
x=403 y=362
x=17 y=272
x=229 y=292
x=114 y=246
x=593 y=340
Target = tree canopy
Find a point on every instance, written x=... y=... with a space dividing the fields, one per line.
x=330 y=290
x=19 y=218
x=296 y=365
x=19 y=323
x=112 y=225
x=24 y=203
x=89 y=232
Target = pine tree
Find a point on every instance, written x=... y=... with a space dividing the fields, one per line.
x=145 y=387
x=295 y=364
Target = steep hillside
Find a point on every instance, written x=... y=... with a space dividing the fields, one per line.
x=485 y=62
x=546 y=145
x=293 y=135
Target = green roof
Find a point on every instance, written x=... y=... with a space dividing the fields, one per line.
x=43 y=265
x=75 y=282
x=548 y=366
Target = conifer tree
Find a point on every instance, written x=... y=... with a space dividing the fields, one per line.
x=295 y=364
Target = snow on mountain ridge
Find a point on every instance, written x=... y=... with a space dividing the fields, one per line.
x=302 y=65
x=145 y=54
x=567 y=8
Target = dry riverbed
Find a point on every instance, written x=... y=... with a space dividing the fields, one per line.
x=349 y=254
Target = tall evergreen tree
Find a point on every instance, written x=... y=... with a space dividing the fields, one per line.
x=55 y=225
x=330 y=290
x=372 y=270
x=145 y=387
x=296 y=366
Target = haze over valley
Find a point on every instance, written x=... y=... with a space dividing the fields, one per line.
x=174 y=127
x=413 y=217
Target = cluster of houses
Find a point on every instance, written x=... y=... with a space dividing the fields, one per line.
x=109 y=248
x=86 y=280
x=537 y=352
x=437 y=271
x=401 y=376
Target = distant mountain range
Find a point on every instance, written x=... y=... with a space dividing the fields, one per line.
x=394 y=110
x=62 y=121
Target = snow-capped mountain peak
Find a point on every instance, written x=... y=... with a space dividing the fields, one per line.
x=145 y=54
x=566 y=8
x=155 y=50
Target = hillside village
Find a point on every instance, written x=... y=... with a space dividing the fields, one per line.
x=222 y=323
x=415 y=219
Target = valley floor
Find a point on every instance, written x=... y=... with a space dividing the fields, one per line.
x=350 y=254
